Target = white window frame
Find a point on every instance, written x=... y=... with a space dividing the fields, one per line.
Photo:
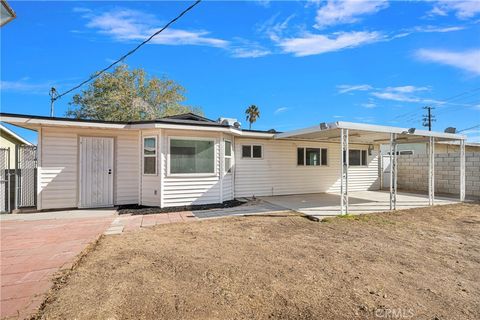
x=251 y=151
x=215 y=157
x=361 y=164
x=304 y=165
x=149 y=155
x=230 y=156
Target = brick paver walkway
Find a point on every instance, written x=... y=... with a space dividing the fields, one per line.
x=32 y=251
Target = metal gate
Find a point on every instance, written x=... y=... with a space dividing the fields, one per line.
x=4 y=180
x=26 y=176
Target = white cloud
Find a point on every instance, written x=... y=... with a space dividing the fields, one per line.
x=312 y=44
x=249 y=53
x=463 y=9
x=466 y=60
x=280 y=110
x=369 y=105
x=126 y=24
x=348 y=11
x=437 y=29
x=407 y=89
x=23 y=86
x=345 y=88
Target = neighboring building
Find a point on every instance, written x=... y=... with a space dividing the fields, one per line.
x=188 y=159
x=9 y=139
x=440 y=147
x=6 y=13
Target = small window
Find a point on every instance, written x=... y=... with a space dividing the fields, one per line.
x=324 y=158
x=356 y=157
x=192 y=156
x=300 y=156
x=246 y=151
x=257 y=151
x=311 y=156
x=252 y=151
x=150 y=155
x=406 y=152
x=228 y=156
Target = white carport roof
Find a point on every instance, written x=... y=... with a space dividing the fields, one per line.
x=365 y=133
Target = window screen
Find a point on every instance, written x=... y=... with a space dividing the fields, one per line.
x=324 y=157
x=246 y=151
x=357 y=157
x=257 y=151
x=300 y=156
x=192 y=156
x=312 y=156
x=150 y=155
x=250 y=151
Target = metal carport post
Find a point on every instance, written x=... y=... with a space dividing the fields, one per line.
x=431 y=171
x=393 y=171
x=462 y=170
x=344 y=158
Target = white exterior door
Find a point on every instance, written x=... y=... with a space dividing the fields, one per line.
x=96 y=172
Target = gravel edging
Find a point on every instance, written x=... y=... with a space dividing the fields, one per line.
x=144 y=210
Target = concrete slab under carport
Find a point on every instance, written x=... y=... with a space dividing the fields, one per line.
x=321 y=205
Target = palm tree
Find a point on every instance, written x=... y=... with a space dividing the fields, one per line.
x=253 y=113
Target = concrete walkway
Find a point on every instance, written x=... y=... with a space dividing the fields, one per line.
x=320 y=205
x=34 y=247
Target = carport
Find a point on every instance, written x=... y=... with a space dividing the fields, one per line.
x=346 y=133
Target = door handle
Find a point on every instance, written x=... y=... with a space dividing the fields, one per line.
x=109 y=171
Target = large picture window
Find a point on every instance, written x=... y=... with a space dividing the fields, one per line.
x=192 y=156
x=150 y=155
x=357 y=157
x=312 y=156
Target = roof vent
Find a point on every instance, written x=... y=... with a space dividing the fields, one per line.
x=451 y=130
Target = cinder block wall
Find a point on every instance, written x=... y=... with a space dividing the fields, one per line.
x=413 y=173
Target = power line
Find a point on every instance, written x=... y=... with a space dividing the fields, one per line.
x=476 y=126
x=55 y=96
x=449 y=99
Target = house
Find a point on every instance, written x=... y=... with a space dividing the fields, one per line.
x=188 y=159
x=9 y=140
x=440 y=147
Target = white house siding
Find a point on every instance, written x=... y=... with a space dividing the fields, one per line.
x=58 y=170
x=188 y=190
x=277 y=172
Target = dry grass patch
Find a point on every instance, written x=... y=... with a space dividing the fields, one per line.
x=423 y=263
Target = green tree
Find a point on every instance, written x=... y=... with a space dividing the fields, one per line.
x=253 y=113
x=128 y=95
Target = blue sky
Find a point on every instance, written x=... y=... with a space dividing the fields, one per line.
x=301 y=62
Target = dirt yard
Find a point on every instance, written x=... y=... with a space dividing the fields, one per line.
x=411 y=264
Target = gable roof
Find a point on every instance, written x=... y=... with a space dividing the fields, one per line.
x=14 y=135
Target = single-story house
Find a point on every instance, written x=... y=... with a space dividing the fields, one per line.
x=9 y=140
x=188 y=159
x=441 y=147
